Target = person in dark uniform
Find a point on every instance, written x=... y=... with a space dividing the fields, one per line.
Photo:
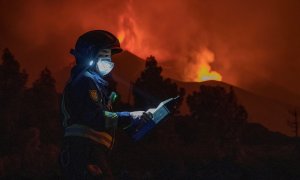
x=88 y=121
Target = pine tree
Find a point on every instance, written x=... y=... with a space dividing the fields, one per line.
x=219 y=116
x=151 y=88
x=148 y=91
x=41 y=107
x=12 y=86
x=293 y=123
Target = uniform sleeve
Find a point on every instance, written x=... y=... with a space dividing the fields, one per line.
x=93 y=109
x=118 y=119
x=105 y=119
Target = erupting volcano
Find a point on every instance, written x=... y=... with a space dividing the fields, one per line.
x=132 y=38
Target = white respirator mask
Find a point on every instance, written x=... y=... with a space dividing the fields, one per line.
x=104 y=65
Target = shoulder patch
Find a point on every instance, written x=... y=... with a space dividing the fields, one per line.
x=94 y=95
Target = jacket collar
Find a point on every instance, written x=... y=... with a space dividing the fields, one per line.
x=78 y=71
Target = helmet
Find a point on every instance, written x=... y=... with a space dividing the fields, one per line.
x=89 y=44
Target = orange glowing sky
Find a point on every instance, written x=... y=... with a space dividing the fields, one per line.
x=248 y=44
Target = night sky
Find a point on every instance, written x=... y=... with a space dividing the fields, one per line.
x=254 y=44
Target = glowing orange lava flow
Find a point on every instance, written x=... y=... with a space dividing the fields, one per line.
x=204 y=73
x=129 y=34
x=198 y=69
x=121 y=36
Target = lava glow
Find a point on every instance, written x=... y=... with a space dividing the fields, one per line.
x=204 y=73
x=121 y=36
x=132 y=38
x=130 y=35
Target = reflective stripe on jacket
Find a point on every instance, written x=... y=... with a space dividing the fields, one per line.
x=84 y=131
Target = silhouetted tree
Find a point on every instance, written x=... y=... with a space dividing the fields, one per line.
x=12 y=85
x=151 y=88
x=188 y=130
x=219 y=115
x=294 y=123
x=148 y=91
x=41 y=107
